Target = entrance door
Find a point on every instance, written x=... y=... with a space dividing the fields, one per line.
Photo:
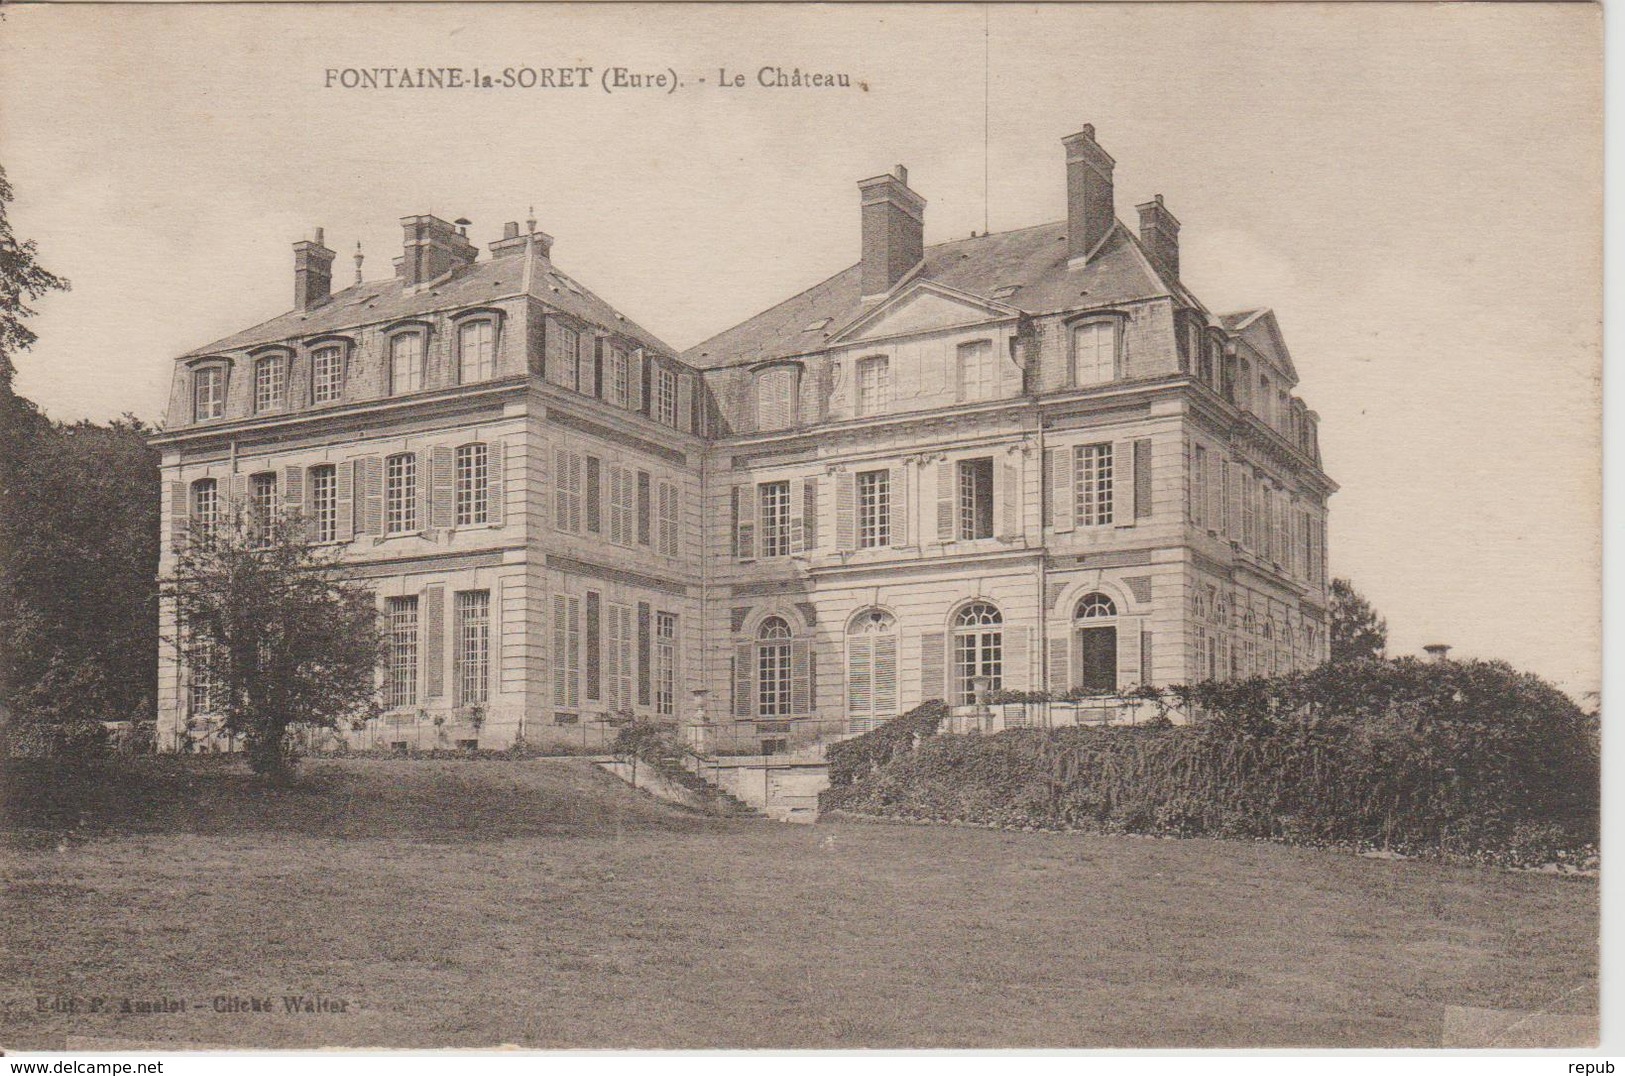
x=1097 y=659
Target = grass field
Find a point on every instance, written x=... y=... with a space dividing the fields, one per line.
x=472 y=903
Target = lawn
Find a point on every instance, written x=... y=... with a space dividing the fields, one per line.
x=542 y=903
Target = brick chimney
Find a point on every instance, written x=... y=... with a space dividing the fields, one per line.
x=1159 y=233
x=312 y=273
x=433 y=248
x=893 y=231
x=1090 y=209
x=514 y=241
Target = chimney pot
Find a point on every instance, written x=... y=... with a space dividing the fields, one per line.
x=1090 y=198
x=893 y=219
x=432 y=249
x=1159 y=232
x=901 y=173
x=312 y=273
x=510 y=230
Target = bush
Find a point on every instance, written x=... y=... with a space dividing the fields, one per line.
x=1469 y=758
x=854 y=759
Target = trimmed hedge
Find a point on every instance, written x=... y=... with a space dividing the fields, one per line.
x=851 y=760
x=1459 y=758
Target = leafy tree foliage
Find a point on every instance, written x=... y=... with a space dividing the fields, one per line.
x=1358 y=633
x=281 y=637
x=22 y=280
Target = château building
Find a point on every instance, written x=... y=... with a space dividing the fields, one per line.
x=1025 y=460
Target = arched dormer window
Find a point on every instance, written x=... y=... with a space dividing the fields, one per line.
x=1096 y=351
x=271 y=383
x=777 y=389
x=477 y=341
x=329 y=368
x=209 y=381
x=408 y=346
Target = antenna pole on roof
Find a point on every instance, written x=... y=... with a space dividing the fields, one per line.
x=987 y=48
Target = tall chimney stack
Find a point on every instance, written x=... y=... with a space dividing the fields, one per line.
x=312 y=273
x=893 y=231
x=432 y=249
x=1159 y=233
x=1090 y=209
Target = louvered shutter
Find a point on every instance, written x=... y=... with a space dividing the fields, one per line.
x=685 y=402
x=885 y=670
x=293 y=489
x=1009 y=502
x=1128 y=652
x=860 y=676
x=1123 y=483
x=745 y=522
x=933 y=666
x=1063 y=497
x=237 y=496
x=798 y=518
x=594 y=495
x=344 y=500
x=1014 y=674
x=594 y=639
x=372 y=507
x=809 y=511
x=1142 y=479
x=645 y=508
x=496 y=492
x=1147 y=669
x=945 y=501
x=896 y=482
x=1233 y=475
x=846 y=511
x=180 y=517
x=1060 y=672
x=635 y=376
x=434 y=637
x=800 y=677
x=442 y=488
x=645 y=651
x=1215 y=492
x=744 y=680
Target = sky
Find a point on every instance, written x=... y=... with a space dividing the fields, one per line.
x=1414 y=189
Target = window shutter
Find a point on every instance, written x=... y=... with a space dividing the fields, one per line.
x=372 y=494
x=945 y=502
x=1060 y=653
x=809 y=511
x=744 y=680
x=594 y=642
x=1128 y=652
x=236 y=493
x=1233 y=473
x=1063 y=495
x=800 y=676
x=744 y=522
x=1013 y=671
x=594 y=495
x=561 y=638
x=1215 y=492
x=933 y=665
x=644 y=650
x=293 y=489
x=496 y=494
x=1123 y=483
x=1009 y=502
x=685 y=402
x=1146 y=669
x=1142 y=478
x=442 y=488
x=309 y=508
x=344 y=500
x=860 y=676
x=898 y=507
x=885 y=665
x=846 y=511
x=434 y=635
x=644 y=507
x=798 y=517
x=635 y=375
x=180 y=517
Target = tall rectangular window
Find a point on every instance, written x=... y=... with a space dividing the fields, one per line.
x=667 y=523
x=208 y=392
x=324 y=503
x=472 y=658
x=976 y=498
x=773 y=678
x=401 y=678
x=618 y=658
x=874 y=385
x=203 y=689
x=874 y=509
x=567 y=483
x=618 y=377
x=473 y=486
x=773 y=516
x=262 y=503
x=401 y=493
x=1093 y=484
x=978 y=373
x=205 y=507
x=1094 y=352
x=405 y=363
x=270 y=383
x=775 y=398
x=622 y=504
x=327 y=374
x=563 y=356
x=666 y=396
x=566 y=652
x=476 y=354
x=665 y=664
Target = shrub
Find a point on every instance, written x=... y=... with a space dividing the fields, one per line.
x=851 y=760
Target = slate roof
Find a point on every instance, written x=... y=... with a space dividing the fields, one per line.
x=1032 y=261
x=375 y=302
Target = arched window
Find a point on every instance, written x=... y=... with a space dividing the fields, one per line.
x=270 y=384
x=326 y=374
x=773 y=667
x=978 y=650
x=476 y=350
x=205 y=506
x=208 y=392
x=871 y=669
x=1095 y=643
x=405 y=363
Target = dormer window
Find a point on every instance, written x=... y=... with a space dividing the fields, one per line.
x=1094 y=353
x=978 y=374
x=406 y=363
x=476 y=351
x=618 y=376
x=208 y=392
x=874 y=385
x=326 y=374
x=666 y=396
x=270 y=384
x=776 y=397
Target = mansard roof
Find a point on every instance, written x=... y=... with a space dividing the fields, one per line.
x=376 y=302
x=1032 y=261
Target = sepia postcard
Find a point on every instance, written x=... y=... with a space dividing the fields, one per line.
x=800 y=527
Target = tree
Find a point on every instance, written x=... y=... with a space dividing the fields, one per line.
x=273 y=633
x=1358 y=633
x=22 y=280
